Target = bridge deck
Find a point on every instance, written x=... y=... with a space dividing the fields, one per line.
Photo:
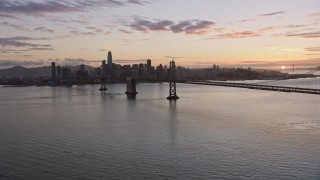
x=259 y=87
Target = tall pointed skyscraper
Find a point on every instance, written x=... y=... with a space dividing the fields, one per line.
x=109 y=70
x=109 y=57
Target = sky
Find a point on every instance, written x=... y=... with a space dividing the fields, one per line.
x=198 y=33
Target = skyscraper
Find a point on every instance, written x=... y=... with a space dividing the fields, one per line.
x=66 y=72
x=109 y=57
x=149 y=64
x=109 y=71
x=104 y=68
x=82 y=67
x=150 y=70
x=82 y=73
x=53 y=72
x=59 y=73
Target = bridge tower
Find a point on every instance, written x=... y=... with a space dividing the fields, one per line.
x=173 y=78
x=103 y=87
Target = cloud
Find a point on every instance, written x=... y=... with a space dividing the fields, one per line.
x=36 y=8
x=44 y=29
x=11 y=63
x=312 y=49
x=97 y=30
x=307 y=35
x=4 y=50
x=130 y=61
x=139 y=2
x=41 y=48
x=79 y=33
x=292 y=26
x=93 y=31
x=70 y=61
x=146 y=26
x=8 y=16
x=314 y=14
x=296 y=26
x=79 y=21
x=272 y=14
x=188 y=27
x=180 y=57
x=74 y=62
x=314 y=54
x=235 y=35
x=17 y=42
x=301 y=25
x=14 y=51
x=269 y=29
x=283 y=48
x=20 y=46
x=24 y=38
x=247 y=20
x=180 y=27
x=124 y=31
x=45 y=7
x=199 y=27
x=17 y=27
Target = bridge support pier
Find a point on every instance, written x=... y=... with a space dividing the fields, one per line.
x=131 y=87
x=172 y=87
x=103 y=87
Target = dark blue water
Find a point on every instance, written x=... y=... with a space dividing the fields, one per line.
x=210 y=133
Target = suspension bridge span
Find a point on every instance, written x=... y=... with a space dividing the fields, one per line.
x=258 y=86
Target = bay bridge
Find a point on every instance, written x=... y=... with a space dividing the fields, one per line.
x=309 y=84
x=259 y=86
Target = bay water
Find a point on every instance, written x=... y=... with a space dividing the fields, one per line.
x=209 y=133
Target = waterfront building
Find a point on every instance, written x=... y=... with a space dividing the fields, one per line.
x=104 y=68
x=149 y=64
x=59 y=73
x=82 y=73
x=66 y=72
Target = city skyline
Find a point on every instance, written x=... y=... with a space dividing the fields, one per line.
x=198 y=33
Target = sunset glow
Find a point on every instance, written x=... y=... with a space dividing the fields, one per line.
x=199 y=33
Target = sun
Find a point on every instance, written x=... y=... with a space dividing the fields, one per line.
x=283 y=67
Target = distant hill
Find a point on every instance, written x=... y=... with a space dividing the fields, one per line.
x=23 y=72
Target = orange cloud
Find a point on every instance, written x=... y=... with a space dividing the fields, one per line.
x=234 y=35
x=313 y=49
x=300 y=35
